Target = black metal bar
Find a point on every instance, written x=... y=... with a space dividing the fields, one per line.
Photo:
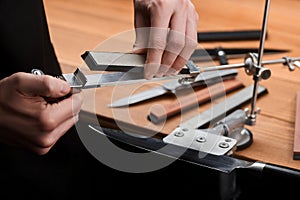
x=237 y=35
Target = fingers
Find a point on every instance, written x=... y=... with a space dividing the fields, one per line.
x=172 y=61
x=156 y=47
x=26 y=92
x=54 y=122
x=27 y=119
x=161 y=13
x=189 y=39
x=40 y=132
x=56 y=113
x=41 y=120
x=37 y=142
x=172 y=36
x=141 y=22
x=141 y=42
x=44 y=142
x=47 y=86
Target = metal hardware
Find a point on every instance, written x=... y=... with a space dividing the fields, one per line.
x=37 y=72
x=202 y=141
x=231 y=128
x=76 y=80
x=253 y=65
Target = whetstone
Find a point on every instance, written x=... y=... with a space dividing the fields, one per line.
x=297 y=129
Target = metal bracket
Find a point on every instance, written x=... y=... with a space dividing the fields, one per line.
x=76 y=80
x=201 y=141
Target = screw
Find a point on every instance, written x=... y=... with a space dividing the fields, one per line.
x=224 y=145
x=201 y=139
x=179 y=134
x=228 y=140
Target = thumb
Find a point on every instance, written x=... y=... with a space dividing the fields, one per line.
x=43 y=85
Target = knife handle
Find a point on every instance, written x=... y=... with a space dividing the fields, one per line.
x=238 y=35
x=221 y=55
x=162 y=112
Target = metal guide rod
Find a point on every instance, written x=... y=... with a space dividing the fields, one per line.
x=263 y=34
x=253 y=65
x=251 y=119
x=284 y=61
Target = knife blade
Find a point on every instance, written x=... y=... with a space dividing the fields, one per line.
x=173 y=86
x=225 y=164
x=110 y=79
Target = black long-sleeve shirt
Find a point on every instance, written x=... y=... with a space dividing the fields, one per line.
x=25 y=44
x=24 y=38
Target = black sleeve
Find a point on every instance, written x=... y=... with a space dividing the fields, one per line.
x=25 y=42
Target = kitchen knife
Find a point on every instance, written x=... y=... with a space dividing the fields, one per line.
x=182 y=103
x=224 y=163
x=204 y=78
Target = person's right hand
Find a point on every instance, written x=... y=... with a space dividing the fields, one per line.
x=27 y=119
x=166 y=31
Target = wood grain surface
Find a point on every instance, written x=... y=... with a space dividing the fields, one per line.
x=80 y=25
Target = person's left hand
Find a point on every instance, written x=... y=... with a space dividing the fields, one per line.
x=35 y=111
x=166 y=30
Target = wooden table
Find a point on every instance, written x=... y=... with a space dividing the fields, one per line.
x=80 y=25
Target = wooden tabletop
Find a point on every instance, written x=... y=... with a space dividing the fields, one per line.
x=80 y=25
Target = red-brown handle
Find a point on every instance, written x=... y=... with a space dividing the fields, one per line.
x=159 y=113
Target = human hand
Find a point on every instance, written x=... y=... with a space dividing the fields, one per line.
x=166 y=30
x=27 y=119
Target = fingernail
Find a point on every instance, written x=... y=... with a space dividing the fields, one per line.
x=150 y=70
x=172 y=72
x=159 y=75
x=148 y=76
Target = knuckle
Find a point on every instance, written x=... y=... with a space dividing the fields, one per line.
x=16 y=79
x=157 y=42
x=47 y=84
x=46 y=122
x=177 y=45
x=184 y=4
x=46 y=142
x=154 y=51
x=154 y=5
x=39 y=150
x=191 y=44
